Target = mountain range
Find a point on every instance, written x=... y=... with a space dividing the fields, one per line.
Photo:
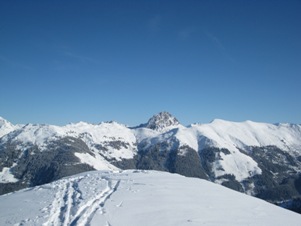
x=259 y=159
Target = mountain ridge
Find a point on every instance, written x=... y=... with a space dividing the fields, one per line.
x=4 y=121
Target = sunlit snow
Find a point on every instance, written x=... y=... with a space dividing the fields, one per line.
x=6 y=176
x=137 y=198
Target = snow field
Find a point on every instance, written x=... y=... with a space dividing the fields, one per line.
x=6 y=176
x=137 y=198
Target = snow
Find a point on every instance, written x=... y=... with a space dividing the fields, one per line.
x=97 y=161
x=225 y=134
x=144 y=133
x=162 y=121
x=37 y=134
x=6 y=127
x=137 y=198
x=237 y=164
x=41 y=135
x=103 y=133
x=6 y=176
x=219 y=133
x=241 y=135
x=92 y=134
x=188 y=137
x=116 y=141
x=233 y=135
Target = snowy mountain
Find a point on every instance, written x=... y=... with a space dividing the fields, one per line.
x=259 y=159
x=137 y=198
x=6 y=127
x=161 y=121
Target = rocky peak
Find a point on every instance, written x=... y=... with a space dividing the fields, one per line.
x=161 y=120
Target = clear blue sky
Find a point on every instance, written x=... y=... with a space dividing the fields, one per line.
x=66 y=61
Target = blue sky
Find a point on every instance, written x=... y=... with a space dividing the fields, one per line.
x=66 y=61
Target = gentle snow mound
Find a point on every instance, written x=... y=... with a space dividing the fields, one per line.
x=137 y=198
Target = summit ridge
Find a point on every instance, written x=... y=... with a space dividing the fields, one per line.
x=161 y=121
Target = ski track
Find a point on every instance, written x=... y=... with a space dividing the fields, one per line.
x=68 y=207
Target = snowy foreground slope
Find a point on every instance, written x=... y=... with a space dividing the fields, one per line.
x=137 y=198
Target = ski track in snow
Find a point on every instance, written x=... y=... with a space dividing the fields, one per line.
x=136 y=198
x=68 y=207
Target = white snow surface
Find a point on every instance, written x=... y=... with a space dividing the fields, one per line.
x=6 y=176
x=97 y=161
x=137 y=198
x=6 y=127
x=91 y=134
x=101 y=134
x=233 y=135
x=241 y=135
x=104 y=133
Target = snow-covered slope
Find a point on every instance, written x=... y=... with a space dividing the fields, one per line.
x=137 y=198
x=6 y=127
x=234 y=135
x=105 y=140
x=92 y=135
x=119 y=140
